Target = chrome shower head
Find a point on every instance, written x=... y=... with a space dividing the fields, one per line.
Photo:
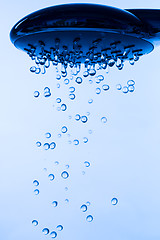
x=72 y=34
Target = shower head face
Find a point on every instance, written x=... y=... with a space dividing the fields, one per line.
x=88 y=22
x=73 y=34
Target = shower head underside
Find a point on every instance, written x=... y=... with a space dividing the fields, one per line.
x=72 y=34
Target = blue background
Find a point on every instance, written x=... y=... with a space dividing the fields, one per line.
x=124 y=153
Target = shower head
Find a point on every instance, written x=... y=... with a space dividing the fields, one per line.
x=72 y=34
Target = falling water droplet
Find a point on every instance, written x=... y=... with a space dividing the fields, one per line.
x=88 y=203
x=51 y=177
x=87 y=164
x=103 y=119
x=38 y=144
x=114 y=201
x=84 y=119
x=125 y=89
x=76 y=142
x=53 y=234
x=77 y=117
x=89 y=218
x=36 y=94
x=72 y=89
x=52 y=145
x=85 y=139
x=118 y=86
x=63 y=107
x=46 y=146
x=130 y=82
x=64 y=129
x=100 y=77
x=45 y=231
x=85 y=74
x=90 y=101
x=35 y=183
x=47 y=135
x=78 y=80
x=131 y=88
x=58 y=77
x=59 y=227
x=72 y=96
x=36 y=191
x=83 y=208
x=55 y=203
x=105 y=87
x=66 y=81
x=58 y=100
x=98 y=90
x=64 y=174
x=35 y=222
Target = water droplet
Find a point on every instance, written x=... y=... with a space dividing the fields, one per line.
x=88 y=113
x=105 y=87
x=67 y=166
x=36 y=191
x=72 y=96
x=35 y=222
x=77 y=117
x=69 y=141
x=84 y=119
x=118 y=86
x=70 y=117
x=100 y=77
x=59 y=135
x=98 y=90
x=90 y=101
x=55 y=203
x=38 y=144
x=85 y=74
x=131 y=88
x=47 y=135
x=87 y=164
x=56 y=162
x=88 y=203
x=90 y=81
x=130 y=82
x=63 y=107
x=103 y=119
x=36 y=94
x=64 y=175
x=64 y=129
x=67 y=200
x=85 y=140
x=89 y=218
x=72 y=89
x=125 y=89
x=90 y=131
x=45 y=231
x=66 y=81
x=45 y=169
x=58 y=108
x=59 y=227
x=51 y=177
x=46 y=146
x=58 y=77
x=58 y=100
x=35 y=183
x=92 y=72
x=58 y=85
x=76 y=142
x=52 y=145
x=114 y=201
x=33 y=69
x=78 y=80
x=53 y=234
x=47 y=92
x=83 y=208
